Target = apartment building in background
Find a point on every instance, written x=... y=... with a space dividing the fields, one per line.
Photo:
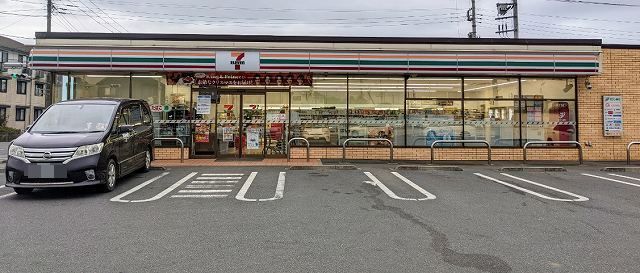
x=22 y=91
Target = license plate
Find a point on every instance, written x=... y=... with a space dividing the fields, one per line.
x=46 y=171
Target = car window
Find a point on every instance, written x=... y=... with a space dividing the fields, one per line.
x=135 y=114
x=124 y=117
x=147 y=116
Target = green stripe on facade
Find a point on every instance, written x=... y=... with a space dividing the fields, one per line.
x=433 y=63
x=190 y=60
x=136 y=60
x=283 y=61
x=365 y=62
x=85 y=59
x=44 y=58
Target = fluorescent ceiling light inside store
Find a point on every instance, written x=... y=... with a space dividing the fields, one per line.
x=493 y=85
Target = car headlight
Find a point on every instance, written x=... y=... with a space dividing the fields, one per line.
x=17 y=151
x=88 y=150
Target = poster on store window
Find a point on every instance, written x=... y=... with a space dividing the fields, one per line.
x=612 y=106
x=201 y=133
x=227 y=133
x=203 y=106
x=253 y=138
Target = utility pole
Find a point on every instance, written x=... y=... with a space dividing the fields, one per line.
x=503 y=26
x=471 y=16
x=49 y=7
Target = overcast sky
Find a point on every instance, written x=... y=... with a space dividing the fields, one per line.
x=614 y=21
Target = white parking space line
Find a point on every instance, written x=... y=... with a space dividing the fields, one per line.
x=198 y=196
x=245 y=187
x=203 y=191
x=206 y=186
x=2 y=186
x=215 y=182
x=119 y=197
x=7 y=195
x=219 y=178
x=627 y=177
x=613 y=180
x=169 y=189
x=579 y=198
x=391 y=194
x=222 y=174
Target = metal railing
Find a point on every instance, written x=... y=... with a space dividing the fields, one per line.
x=629 y=150
x=462 y=142
x=524 y=148
x=344 y=145
x=176 y=139
x=289 y=148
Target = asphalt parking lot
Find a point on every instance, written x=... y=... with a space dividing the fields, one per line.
x=371 y=219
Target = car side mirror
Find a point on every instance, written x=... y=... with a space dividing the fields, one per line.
x=122 y=129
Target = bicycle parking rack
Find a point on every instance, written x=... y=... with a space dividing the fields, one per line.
x=629 y=150
x=344 y=145
x=462 y=142
x=524 y=148
x=289 y=147
x=177 y=140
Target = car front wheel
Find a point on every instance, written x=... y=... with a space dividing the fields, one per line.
x=147 y=161
x=110 y=178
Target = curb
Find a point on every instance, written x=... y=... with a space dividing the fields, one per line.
x=621 y=169
x=533 y=169
x=429 y=168
x=322 y=167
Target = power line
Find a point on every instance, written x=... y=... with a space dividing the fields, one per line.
x=108 y=16
x=15 y=36
x=113 y=29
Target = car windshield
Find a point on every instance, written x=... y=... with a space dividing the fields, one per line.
x=75 y=118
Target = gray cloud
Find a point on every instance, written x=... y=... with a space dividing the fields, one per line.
x=539 y=18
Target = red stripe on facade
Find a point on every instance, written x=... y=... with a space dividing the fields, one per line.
x=384 y=68
x=284 y=67
x=83 y=65
x=137 y=65
x=190 y=66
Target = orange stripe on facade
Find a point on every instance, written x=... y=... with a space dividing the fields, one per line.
x=134 y=53
x=398 y=57
x=193 y=54
x=64 y=52
x=435 y=57
x=284 y=55
x=335 y=56
x=44 y=51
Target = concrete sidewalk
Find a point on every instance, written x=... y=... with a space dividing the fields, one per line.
x=235 y=163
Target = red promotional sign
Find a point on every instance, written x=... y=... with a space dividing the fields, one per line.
x=249 y=79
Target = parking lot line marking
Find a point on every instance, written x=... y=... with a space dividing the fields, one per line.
x=627 y=177
x=206 y=186
x=388 y=191
x=119 y=197
x=279 y=188
x=429 y=195
x=7 y=195
x=579 y=197
x=219 y=178
x=222 y=174
x=169 y=189
x=611 y=179
x=199 y=196
x=203 y=191
x=2 y=186
x=215 y=182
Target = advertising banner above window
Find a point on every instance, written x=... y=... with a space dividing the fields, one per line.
x=242 y=78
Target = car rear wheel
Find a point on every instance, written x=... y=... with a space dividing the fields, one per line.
x=110 y=178
x=23 y=190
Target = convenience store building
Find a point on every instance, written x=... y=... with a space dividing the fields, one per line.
x=244 y=96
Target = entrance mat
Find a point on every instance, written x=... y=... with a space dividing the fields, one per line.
x=230 y=159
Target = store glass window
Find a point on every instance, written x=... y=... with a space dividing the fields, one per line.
x=431 y=120
x=548 y=109
x=3 y=86
x=431 y=88
x=495 y=121
x=37 y=112
x=491 y=88
x=99 y=86
x=548 y=88
x=376 y=109
x=319 y=112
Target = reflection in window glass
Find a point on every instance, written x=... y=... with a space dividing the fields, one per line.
x=319 y=113
x=540 y=89
x=434 y=88
x=494 y=121
x=548 y=120
x=100 y=86
x=376 y=109
x=431 y=120
x=487 y=88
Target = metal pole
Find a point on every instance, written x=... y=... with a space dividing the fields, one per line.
x=516 y=28
x=471 y=16
x=49 y=7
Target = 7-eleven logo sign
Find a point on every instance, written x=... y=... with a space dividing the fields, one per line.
x=237 y=61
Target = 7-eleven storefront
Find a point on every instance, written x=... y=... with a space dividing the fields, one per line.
x=246 y=96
